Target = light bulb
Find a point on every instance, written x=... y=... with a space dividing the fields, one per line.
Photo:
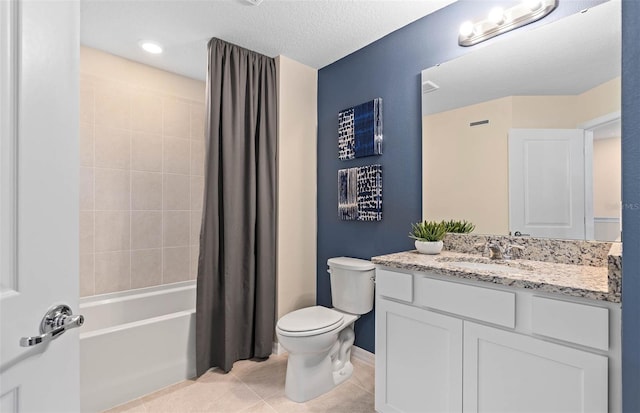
x=533 y=5
x=150 y=47
x=466 y=29
x=496 y=15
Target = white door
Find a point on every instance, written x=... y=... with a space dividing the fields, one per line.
x=39 y=51
x=510 y=372
x=547 y=183
x=418 y=360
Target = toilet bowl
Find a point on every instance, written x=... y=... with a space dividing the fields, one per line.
x=319 y=339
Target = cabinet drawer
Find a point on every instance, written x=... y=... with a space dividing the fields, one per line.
x=484 y=304
x=576 y=323
x=393 y=284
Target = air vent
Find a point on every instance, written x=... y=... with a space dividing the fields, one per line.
x=480 y=122
x=429 y=86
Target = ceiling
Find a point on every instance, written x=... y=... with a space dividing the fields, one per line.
x=313 y=32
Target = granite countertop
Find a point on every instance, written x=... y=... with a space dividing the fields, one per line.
x=587 y=281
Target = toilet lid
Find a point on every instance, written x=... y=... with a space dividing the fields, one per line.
x=310 y=319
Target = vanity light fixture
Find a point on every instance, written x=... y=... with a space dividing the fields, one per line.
x=150 y=47
x=502 y=20
x=496 y=16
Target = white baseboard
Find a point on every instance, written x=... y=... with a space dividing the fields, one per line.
x=363 y=355
x=277 y=349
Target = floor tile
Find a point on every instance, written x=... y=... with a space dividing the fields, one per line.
x=136 y=406
x=255 y=386
x=240 y=367
x=345 y=398
x=265 y=378
x=236 y=399
x=261 y=407
x=363 y=375
x=205 y=398
x=167 y=390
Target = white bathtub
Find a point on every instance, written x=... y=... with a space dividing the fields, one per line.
x=135 y=342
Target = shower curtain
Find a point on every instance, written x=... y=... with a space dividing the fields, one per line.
x=235 y=308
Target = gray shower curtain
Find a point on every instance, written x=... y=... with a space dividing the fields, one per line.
x=235 y=308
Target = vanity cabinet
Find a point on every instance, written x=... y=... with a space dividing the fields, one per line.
x=510 y=372
x=448 y=346
x=422 y=360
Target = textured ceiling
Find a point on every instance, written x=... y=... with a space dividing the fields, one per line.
x=313 y=32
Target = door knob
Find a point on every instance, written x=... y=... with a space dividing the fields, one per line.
x=54 y=323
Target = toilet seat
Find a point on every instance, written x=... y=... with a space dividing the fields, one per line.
x=310 y=321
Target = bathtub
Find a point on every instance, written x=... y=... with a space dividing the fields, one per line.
x=135 y=342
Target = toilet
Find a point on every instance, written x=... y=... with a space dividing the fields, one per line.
x=319 y=339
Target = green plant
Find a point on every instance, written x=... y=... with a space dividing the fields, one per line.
x=428 y=231
x=459 y=227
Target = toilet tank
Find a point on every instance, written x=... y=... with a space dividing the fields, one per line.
x=352 y=284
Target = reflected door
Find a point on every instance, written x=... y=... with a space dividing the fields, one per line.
x=547 y=183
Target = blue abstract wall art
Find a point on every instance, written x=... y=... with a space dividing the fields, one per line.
x=360 y=130
x=360 y=193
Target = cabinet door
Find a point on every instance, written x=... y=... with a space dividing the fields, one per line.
x=418 y=360
x=509 y=372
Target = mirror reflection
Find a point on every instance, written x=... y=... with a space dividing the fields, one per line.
x=528 y=142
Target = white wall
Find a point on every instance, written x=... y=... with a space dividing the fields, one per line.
x=465 y=169
x=607 y=185
x=297 y=169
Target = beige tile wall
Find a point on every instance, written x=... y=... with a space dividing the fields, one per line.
x=141 y=174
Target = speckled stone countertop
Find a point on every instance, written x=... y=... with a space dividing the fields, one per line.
x=614 y=263
x=560 y=251
x=587 y=281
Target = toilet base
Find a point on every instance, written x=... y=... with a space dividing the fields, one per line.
x=312 y=375
x=343 y=374
x=317 y=377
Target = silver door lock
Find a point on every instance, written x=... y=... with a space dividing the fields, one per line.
x=55 y=322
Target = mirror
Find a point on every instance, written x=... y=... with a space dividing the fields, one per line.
x=524 y=134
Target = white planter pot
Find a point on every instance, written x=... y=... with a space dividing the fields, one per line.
x=430 y=248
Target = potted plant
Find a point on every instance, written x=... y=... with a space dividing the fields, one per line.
x=428 y=236
x=459 y=227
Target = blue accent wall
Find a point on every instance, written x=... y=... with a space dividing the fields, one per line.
x=390 y=68
x=631 y=206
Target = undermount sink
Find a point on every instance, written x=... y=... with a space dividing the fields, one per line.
x=485 y=264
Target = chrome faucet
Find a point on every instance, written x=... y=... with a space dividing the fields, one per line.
x=497 y=252
x=513 y=251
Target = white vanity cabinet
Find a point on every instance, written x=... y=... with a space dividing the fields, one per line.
x=510 y=372
x=448 y=346
x=422 y=360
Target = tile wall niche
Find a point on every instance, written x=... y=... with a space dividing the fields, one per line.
x=141 y=175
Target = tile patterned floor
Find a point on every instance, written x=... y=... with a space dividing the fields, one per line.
x=255 y=387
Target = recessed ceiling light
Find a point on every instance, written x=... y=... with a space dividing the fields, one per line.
x=150 y=47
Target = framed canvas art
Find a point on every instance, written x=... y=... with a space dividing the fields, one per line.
x=360 y=130
x=360 y=193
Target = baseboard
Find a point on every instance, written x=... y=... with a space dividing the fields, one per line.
x=363 y=355
x=277 y=349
